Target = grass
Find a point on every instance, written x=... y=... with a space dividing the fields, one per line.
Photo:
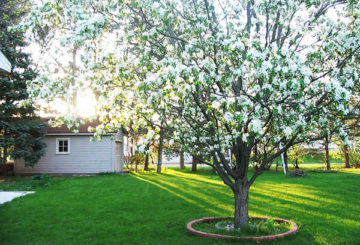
x=148 y=208
x=17 y=183
x=319 y=158
x=25 y=183
x=311 y=159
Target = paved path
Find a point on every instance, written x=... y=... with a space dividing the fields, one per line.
x=7 y=196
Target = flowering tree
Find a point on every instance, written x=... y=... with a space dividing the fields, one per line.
x=233 y=75
x=350 y=154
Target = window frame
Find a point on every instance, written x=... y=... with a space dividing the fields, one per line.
x=58 y=144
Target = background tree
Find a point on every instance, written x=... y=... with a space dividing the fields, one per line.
x=348 y=152
x=297 y=155
x=231 y=75
x=21 y=132
x=351 y=147
x=327 y=155
x=182 y=160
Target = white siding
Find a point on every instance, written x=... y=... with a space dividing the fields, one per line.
x=84 y=157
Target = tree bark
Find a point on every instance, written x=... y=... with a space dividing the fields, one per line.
x=3 y=162
x=255 y=155
x=346 y=157
x=286 y=160
x=182 y=165
x=296 y=163
x=146 y=164
x=160 y=150
x=327 y=158
x=296 y=159
x=194 y=164
x=241 y=195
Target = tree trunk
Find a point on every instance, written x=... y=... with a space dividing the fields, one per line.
x=296 y=159
x=286 y=160
x=182 y=165
x=146 y=164
x=241 y=195
x=3 y=162
x=346 y=156
x=296 y=164
x=255 y=155
x=160 y=150
x=132 y=151
x=73 y=107
x=327 y=158
x=194 y=164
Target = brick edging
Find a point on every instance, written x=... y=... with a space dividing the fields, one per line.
x=293 y=229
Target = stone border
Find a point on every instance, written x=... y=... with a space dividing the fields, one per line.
x=259 y=238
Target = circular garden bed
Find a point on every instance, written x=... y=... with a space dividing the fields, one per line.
x=259 y=228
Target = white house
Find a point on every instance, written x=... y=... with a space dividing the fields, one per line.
x=70 y=153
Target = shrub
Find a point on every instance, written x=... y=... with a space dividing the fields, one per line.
x=40 y=180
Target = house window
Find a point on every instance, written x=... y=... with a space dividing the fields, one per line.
x=62 y=146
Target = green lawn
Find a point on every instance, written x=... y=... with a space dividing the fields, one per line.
x=320 y=158
x=148 y=208
x=315 y=158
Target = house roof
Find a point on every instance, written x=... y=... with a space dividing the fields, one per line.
x=4 y=63
x=63 y=129
x=82 y=130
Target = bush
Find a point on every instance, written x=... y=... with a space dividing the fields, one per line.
x=106 y=173
x=40 y=180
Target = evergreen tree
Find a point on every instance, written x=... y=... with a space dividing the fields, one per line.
x=21 y=131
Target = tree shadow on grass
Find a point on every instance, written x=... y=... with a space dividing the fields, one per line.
x=193 y=192
x=154 y=209
x=305 y=201
x=323 y=204
x=209 y=201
